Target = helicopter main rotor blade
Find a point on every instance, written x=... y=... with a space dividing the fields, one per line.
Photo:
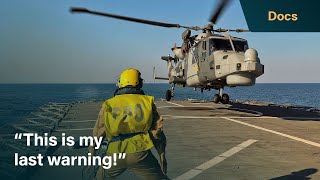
x=216 y=14
x=231 y=30
x=154 y=23
x=240 y=30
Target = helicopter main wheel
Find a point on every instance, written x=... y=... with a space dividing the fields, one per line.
x=225 y=99
x=216 y=98
x=168 y=95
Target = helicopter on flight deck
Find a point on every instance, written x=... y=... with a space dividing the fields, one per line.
x=212 y=59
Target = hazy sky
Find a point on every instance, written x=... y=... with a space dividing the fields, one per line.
x=41 y=42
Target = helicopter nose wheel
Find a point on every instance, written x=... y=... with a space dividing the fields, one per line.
x=224 y=99
x=169 y=94
x=221 y=97
x=216 y=98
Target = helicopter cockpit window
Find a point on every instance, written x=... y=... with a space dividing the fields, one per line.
x=240 y=46
x=204 y=48
x=195 y=55
x=219 y=44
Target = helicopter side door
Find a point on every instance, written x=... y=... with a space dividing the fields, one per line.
x=193 y=66
x=205 y=63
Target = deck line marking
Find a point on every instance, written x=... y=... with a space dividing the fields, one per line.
x=275 y=132
x=174 y=103
x=254 y=126
x=214 y=161
x=272 y=117
x=65 y=130
x=257 y=113
x=89 y=120
x=303 y=117
x=250 y=125
x=159 y=107
x=190 y=117
x=196 y=117
x=239 y=117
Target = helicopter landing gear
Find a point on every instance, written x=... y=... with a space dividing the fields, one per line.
x=221 y=97
x=216 y=98
x=224 y=99
x=169 y=94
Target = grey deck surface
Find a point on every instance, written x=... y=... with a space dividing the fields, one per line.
x=287 y=143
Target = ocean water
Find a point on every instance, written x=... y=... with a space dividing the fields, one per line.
x=18 y=100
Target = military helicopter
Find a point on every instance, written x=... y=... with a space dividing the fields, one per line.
x=208 y=60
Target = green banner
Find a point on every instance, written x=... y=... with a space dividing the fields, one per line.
x=282 y=15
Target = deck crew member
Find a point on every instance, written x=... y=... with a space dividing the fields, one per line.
x=132 y=125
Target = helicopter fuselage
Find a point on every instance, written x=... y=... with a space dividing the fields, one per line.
x=215 y=61
x=206 y=60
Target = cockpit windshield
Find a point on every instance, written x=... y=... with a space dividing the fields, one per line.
x=225 y=45
x=219 y=44
x=240 y=46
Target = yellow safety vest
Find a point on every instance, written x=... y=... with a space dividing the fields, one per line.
x=127 y=114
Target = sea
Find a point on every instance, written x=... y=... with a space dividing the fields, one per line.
x=17 y=101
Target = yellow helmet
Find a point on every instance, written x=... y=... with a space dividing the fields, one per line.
x=130 y=77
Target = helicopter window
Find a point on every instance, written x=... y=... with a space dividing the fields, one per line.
x=204 y=47
x=195 y=55
x=219 y=44
x=240 y=46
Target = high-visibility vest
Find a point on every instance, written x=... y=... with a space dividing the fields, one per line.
x=128 y=114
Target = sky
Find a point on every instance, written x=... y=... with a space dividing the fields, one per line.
x=42 y=42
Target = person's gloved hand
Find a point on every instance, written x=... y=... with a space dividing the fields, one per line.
x=163 y=163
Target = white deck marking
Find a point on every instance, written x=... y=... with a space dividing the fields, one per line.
x=174 y=103
x=241 y=117
x=65 y=130
x=191 y=117
x=90 y=120
x=247 y=124
x=214 y=161
x=260 y=114
x=159 y=107
x=272 y=117
x=256 y=113
x=275 y=132
x=253 y=126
